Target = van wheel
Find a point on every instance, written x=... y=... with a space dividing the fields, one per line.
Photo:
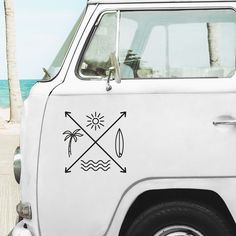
x=179 y=219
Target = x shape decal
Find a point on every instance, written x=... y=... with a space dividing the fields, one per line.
x=95 y=142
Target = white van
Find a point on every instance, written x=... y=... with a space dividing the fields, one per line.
x=132 y=131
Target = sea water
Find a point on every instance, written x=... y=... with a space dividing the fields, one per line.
x=25 y=86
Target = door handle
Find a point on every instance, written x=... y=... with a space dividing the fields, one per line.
x=225 y=122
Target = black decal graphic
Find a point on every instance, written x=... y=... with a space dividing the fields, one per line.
x=95 y=142
x=71 y=136
x=119 y=143
x=95 y=166
x=95 y=121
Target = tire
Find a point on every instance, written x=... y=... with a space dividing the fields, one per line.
x=179 y=219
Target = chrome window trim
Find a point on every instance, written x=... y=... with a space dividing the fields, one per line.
x=117 y=34
x=154 y=1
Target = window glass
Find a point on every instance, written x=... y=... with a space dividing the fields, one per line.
x=177 y=44
x=96 y=60
x=60 y=57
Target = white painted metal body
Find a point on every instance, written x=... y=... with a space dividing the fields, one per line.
x=170 y=140
x=19 y=230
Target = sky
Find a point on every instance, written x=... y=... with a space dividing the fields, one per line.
x=41 y=28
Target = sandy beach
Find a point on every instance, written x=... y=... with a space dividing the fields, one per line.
x=9 y=190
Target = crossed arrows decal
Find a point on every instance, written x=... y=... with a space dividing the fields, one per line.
x=95 y=142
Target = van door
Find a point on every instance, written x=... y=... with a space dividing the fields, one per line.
x=172 y=115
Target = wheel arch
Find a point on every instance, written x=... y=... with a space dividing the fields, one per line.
x=217 y=191
x=150 y=198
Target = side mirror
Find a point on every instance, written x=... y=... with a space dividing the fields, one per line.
x=115 y=65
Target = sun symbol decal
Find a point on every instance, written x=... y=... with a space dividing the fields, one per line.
x=95 y=121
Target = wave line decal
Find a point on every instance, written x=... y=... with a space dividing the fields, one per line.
x=95 y=166
x=99 y=168
x=94 y=162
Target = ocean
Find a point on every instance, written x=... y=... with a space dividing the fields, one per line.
x=25 y=86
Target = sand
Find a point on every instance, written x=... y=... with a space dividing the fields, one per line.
x=9 y=189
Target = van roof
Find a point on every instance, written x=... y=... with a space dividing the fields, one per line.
x=152 y=1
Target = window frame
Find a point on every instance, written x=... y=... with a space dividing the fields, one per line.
x=80 y=76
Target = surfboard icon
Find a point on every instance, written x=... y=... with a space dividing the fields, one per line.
x=119 y=143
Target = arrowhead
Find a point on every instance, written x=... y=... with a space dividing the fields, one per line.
x=67 y=170
x=124 y=170
x=123 y=113
x=67 y=113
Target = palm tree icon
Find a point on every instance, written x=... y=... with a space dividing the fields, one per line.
x=71 y=136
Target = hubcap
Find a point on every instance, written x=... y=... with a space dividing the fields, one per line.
x=178 y=230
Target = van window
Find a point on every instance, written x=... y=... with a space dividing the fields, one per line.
x=96 y=60
x=164 y=44
x=177 y=44
x=61 y=55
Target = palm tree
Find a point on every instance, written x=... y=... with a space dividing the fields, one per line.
x=213 y=44
x=71 y=136
x=13 y=82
